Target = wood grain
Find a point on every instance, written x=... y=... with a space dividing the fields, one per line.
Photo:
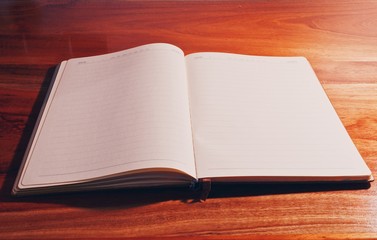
x=338 y=37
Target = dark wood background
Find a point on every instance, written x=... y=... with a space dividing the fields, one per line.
x=338 y=37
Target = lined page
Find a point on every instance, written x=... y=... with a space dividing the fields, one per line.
x=114 y=113
x=265 y=116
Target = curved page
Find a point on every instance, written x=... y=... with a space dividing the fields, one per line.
x=114 y=113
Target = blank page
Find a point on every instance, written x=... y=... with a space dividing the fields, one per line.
x=114 y=113
x=265 y=117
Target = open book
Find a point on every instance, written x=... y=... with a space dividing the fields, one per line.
x=150 y=116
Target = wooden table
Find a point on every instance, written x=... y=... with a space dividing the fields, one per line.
x=338 y=37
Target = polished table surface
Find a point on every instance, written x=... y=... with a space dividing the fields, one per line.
x=338 y=37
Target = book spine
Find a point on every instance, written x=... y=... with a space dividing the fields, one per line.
x=202 y=187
